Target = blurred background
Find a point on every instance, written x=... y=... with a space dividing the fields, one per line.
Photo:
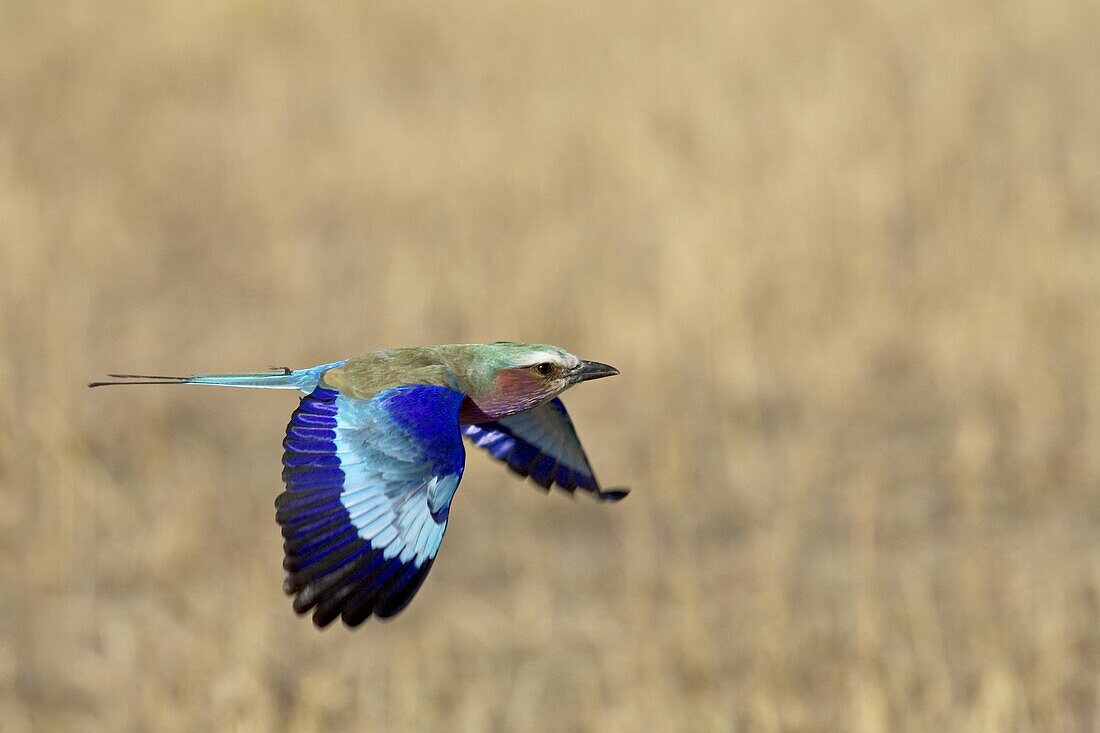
x=846 y=255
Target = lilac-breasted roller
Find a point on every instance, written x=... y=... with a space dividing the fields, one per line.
x=374 y=453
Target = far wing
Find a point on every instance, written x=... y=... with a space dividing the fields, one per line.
x=542 y=444
x=368 y=489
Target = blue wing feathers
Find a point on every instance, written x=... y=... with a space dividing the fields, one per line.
x=544 y=470
x=307 y=561
x=433 y=422
x=313 y=420
x=501 y=448
x=542 y=445
x=395 y=601
x=318 y=571
x=368 y=484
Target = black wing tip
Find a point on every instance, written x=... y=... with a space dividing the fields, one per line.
x=609 y=495
x=330 y=595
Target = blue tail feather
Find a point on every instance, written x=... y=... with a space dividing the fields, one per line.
x=305 y=380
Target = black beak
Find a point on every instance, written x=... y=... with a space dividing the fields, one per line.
x=587 y=370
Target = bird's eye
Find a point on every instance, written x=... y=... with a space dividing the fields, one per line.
x=544 y=369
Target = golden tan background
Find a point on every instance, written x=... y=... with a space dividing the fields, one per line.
x=846 y=255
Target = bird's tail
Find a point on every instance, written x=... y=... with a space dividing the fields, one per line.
x=284 y=378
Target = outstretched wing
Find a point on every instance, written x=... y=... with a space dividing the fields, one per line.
x=368 y=488
x=542 y=444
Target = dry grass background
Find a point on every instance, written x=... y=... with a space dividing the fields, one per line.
x=846 y=254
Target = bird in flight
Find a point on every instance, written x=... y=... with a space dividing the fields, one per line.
x=374 y=453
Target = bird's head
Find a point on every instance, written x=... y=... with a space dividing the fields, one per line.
x=505 y=377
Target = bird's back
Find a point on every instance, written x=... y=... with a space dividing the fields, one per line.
x=367 y=375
